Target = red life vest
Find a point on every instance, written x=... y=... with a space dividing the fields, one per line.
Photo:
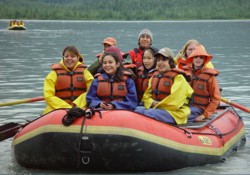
x=69 y=85
x=142 y=81
x=181 y=63
x=201 y=96
x=136 y=55
x=162 y=83
x=108 y=90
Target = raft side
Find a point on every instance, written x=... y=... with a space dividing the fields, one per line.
x=122 y=140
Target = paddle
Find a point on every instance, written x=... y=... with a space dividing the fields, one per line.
x=29 y=100
x=10 y=129
x=243 y=108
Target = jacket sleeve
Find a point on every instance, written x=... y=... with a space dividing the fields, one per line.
x=81 y=100
x=214 y=92
x=53 y=101
x=130 y=101
x=147 y=96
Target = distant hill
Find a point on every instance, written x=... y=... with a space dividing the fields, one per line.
x=124 y=9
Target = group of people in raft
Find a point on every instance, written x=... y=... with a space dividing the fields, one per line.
x=152 y=82
x=16 y=23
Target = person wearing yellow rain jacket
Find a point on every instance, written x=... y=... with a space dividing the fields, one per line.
x=68 y=82
x=185 y=52
x=167 y=96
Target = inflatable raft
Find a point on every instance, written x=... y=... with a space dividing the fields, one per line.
x=16 y=25
x=125 y=141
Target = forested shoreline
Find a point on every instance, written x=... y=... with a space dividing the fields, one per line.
x=124 y=9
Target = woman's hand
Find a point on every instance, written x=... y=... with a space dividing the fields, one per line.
x=107 y=106
x=154 y=103
x=199 y=118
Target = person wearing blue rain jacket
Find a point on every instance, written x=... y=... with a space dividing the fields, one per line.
x=113 y=88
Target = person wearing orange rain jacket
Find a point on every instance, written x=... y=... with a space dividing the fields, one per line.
x=185 y=52
x=206 y=96
x=167 y=96
x=68 y=82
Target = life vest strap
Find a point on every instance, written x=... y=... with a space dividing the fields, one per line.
x=71 y=89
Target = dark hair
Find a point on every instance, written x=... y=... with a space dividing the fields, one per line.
x=74 y=50
x=119 y=72
x=171 y=63
x=170 y=60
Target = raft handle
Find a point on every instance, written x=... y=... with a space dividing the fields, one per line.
x=85 y=160
x=188 y=133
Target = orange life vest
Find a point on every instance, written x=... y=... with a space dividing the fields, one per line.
x=108 y=90
x=69 y=85
x=162 y=83
x=136 y=55
x=142 y=81
x=201 y=96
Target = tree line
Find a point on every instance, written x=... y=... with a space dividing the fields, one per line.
x=124 y=10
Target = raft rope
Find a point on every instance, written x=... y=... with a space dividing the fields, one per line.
x=74 y=113
x=217 y=132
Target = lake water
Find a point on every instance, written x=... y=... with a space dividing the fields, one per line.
x=26 y=57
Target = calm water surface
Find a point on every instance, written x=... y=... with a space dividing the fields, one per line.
x=26 y=57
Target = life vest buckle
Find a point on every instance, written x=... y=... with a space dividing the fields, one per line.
x=111 y=80
x=156 y=91
x=71 y=73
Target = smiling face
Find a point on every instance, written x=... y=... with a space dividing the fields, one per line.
x=162 y=64
x=70 y=59
x=109 y=65
x=144 y=41
x=148 y=59
x=198 y=61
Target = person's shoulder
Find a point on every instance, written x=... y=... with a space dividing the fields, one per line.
x=211 y=71
x=56 y=66
x=88 y=73
x=209 y=65
x=134 y=51
x=82 y=65
x=51 y=75
x=182 y=76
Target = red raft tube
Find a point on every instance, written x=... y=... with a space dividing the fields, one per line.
x=125 y=141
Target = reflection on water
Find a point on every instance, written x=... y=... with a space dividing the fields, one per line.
x=26 y=57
